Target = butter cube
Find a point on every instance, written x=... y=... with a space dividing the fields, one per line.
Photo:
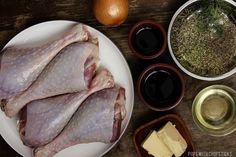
x=154 y=146
x=173 y=139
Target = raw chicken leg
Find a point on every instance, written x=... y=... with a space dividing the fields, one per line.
x=20 y=67
x=70 y=71
x=46 y=118
x=97 y=120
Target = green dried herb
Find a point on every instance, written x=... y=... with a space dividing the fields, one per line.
x=211 y=15
x=204 y=38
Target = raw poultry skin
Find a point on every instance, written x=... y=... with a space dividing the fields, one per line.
x=70 y=71
x=20 y=67
x=44 y=119
x=97 y=120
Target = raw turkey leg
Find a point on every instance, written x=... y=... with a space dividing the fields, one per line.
x=97 y=120
x=20 y=67
x=46 y=118
x=70 y=71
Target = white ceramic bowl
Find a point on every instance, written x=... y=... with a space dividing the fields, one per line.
x=225 y=75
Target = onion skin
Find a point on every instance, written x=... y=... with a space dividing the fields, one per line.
x=111 y=12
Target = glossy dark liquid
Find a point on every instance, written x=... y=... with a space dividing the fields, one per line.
x=148 y=41
x=161 y=88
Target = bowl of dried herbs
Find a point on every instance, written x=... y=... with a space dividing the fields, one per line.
x=202 y=38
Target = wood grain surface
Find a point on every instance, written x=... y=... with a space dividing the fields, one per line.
x=16 y=15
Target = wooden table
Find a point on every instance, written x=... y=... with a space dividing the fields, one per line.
x=16 y=15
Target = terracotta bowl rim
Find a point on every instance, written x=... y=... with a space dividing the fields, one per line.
x=137 y=27
x=172 y=69
x=156 y=121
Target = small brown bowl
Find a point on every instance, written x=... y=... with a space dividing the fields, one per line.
x=176 y=95
x=141 y=25
x=142 y=132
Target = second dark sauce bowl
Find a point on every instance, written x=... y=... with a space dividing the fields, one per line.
x=161 y=87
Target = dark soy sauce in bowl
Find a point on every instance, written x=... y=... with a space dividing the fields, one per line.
x=148 y=41
x=161 y=87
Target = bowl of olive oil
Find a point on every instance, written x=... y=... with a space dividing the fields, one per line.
x=214 y=110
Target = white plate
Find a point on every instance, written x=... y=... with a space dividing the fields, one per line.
x=111 y=58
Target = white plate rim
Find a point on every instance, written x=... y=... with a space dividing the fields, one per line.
x=5 y=137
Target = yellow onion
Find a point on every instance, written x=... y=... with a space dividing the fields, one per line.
x=111 y=12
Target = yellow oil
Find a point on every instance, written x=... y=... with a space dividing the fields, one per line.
x=214 y=110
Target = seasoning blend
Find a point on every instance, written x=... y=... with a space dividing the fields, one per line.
x=203 y=38
x=214 y=110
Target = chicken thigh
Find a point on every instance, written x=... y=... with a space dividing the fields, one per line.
x=20 y=67
x=70 y=71
x=44 y=119
x=97 y=120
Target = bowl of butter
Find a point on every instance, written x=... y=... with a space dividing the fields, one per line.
x=166 y=136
